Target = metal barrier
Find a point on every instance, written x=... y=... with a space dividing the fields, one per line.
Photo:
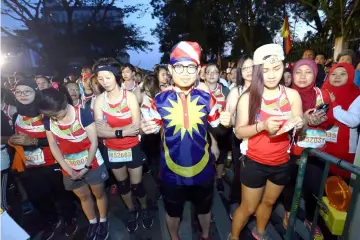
x=328 y=159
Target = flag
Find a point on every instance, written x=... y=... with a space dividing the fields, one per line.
x=285 y=33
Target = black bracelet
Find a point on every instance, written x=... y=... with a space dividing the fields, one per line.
x=118 y=133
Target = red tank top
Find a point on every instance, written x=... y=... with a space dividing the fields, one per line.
x=314 y=137
x=34 y=127
x=72 y=139
x=118 y=115
x=268 y=150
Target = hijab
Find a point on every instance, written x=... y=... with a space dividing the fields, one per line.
x=346 y=93
x=307 y=94
x=28 y=110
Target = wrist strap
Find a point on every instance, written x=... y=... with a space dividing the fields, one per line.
x=118 y=133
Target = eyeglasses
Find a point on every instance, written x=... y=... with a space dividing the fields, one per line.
x=25 y=93
x=246 y=68
x=178 y=68
x=73 y=90
x=209 y=73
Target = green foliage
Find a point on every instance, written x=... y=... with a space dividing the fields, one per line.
x=216 y=23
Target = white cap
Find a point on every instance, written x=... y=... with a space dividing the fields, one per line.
x=272 y=49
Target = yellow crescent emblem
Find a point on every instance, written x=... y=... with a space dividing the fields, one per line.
x=186 y=171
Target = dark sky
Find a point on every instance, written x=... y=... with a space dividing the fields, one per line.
x=144 y=60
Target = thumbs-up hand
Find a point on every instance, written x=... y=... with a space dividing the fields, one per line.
x=225 y=116
x=147 y=125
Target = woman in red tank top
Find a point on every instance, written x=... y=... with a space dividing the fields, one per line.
x=73 y=141
x=317 y=121
x=117 y=116
x=41 y=170
x=262 y=125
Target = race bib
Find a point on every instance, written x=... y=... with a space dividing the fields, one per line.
x=332 y=134
x=77 y=161
x=312 y=138
x=34 y=157
x=120 y=156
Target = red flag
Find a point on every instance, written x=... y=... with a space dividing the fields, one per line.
x=285 y=33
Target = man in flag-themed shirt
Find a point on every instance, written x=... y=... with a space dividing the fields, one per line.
x=187 y=163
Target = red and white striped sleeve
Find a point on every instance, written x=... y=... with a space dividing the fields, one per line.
x=214 y=115
x=148 y=110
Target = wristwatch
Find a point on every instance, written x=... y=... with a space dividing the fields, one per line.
x=88 y=167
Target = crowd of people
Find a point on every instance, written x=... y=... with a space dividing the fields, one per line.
x=184 y=122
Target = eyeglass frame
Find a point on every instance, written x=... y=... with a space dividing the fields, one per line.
x=23 y=93
x=187 y=68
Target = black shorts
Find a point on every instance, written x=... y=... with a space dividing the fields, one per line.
x=138 y=159
x=255 y=175
x=174 y=197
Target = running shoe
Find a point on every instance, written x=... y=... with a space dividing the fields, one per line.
x=220 y=185
x=259 y=236
x=70 y=227
x=102 y=232
x=232 y=210
x=132 y=221
x=91 y=232
x=286 y=220
x=27 y=207
x=317 y=234
x=147 y=219
x=50 y=230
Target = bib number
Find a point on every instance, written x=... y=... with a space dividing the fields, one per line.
x=77 y=161
x=120 y=156
x=313 y=138
x=332 y=134
x=34 y=157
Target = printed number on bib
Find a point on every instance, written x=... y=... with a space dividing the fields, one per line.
x=34 y=157
x=77 y=161
x=120 y=156
x=332 y=134
x=313 y=138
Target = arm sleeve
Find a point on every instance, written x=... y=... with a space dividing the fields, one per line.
x=351 y=117
x=86 y=117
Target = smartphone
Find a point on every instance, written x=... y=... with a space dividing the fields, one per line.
x=324 y=107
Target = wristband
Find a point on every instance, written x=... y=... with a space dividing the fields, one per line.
x=118 y=133
x=256 y=127
x=88 y=167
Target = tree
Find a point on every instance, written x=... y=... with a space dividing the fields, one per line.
x=57 y=42
x=244 y=24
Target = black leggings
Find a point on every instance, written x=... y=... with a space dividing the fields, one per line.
x=235 y=194
x=44 y=186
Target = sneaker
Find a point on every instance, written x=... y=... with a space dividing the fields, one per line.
x=132 y=221
x=317 y=234
x=102 y=232
x=70 y=227
x=147 y=218
x=220 y=185
x=50 y=230
x=91 y=232
x=259 y=236
x=231 y=238
x=27 y=207
x=232 y=210
x=286 y=220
